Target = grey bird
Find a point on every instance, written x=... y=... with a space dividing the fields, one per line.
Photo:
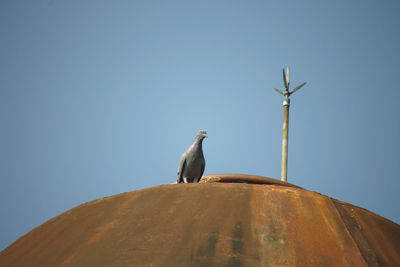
x=192 y=163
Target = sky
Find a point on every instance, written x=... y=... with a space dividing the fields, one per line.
x=102 y=97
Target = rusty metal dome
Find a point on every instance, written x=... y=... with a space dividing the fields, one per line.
x=265 y=222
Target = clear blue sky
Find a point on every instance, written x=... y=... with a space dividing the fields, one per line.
x=102 y=97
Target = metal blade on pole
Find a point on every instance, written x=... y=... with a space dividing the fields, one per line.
x=284 y=79
x=279 y=91
x=287 y=77
x=297 y=88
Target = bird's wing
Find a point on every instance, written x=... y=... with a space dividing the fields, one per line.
x=202 y=170
x=181 y=168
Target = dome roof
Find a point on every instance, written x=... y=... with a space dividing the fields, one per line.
x=266 y=222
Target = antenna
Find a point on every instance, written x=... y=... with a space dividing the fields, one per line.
x=286 y=104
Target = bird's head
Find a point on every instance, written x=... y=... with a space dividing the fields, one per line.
x=202 y=134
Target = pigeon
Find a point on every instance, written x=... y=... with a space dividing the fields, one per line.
x=192 y=162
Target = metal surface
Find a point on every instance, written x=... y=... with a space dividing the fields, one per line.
x=211 y=224
x=285 y=142
x=285 y=135
x=243 y=178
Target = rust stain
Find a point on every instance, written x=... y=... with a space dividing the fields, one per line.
x=69 y=259
x=264 y=222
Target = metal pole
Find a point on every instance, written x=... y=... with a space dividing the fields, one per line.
x=285 y=135
x=285 y=139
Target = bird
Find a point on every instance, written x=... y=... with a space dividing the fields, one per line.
x=192 y=162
